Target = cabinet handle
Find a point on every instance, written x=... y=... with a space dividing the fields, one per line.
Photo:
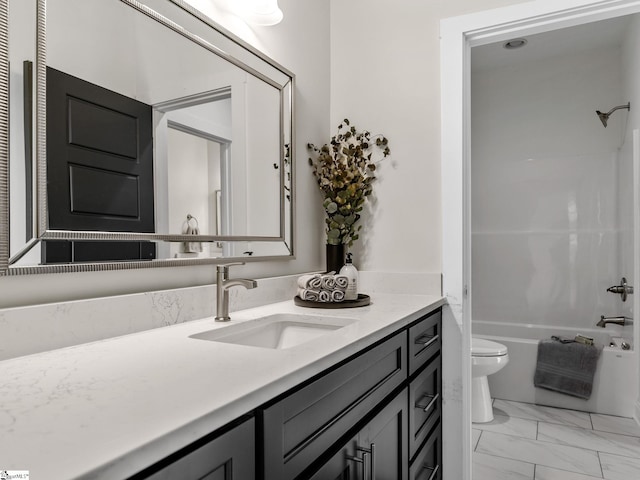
x=373 y=461
x=433 y=470
x=372 y=449
x=432 y=399
x=426 y=339
x=366 y=452
x=365 y=455
x=363 y=461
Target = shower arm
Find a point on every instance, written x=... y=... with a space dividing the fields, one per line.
x=619 y=107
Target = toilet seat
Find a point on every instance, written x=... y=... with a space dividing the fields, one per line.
x=486 y=348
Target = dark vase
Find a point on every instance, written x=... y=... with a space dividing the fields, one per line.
x=335 y=257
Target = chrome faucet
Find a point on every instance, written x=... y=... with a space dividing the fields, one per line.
x=619 y=320
x=223 y=284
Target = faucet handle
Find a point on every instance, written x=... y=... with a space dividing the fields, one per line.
x=623 y=289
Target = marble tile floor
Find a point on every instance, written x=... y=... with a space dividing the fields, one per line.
x=533 y=442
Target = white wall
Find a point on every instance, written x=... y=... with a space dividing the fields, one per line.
x=385 y=79
x=190 y=194
x=544 y=189
x=301 y=44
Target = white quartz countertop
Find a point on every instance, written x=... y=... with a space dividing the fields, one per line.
x=108 y=409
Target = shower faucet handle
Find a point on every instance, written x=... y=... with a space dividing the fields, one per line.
x=623 y=289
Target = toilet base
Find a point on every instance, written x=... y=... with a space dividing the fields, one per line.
x=481 y=407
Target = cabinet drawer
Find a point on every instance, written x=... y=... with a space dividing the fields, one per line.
x=425 y=404
x=301 y=427
x=231 y=456
x=428 y=463
x=424 y=340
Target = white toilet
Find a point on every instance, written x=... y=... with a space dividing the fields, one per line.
x=487 y=358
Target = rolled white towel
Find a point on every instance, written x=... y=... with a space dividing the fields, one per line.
x=308 y=294
x=337 y=296
x=324 y=296
x=311 y=281
x=342 y=282
x=328 y=282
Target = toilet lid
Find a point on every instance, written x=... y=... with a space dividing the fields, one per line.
x=486 y=348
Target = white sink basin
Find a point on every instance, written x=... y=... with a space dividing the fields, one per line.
x=278 y=331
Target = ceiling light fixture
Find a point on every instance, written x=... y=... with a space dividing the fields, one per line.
x=256 y=12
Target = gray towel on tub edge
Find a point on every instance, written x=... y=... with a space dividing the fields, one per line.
x=567 y=368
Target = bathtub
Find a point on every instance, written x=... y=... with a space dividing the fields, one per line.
x=615 y=382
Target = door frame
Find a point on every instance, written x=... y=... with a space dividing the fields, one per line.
x=458 y=35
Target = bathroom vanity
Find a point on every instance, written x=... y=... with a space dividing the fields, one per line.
x=169 y=403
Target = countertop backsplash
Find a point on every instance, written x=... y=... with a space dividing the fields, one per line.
x=38 y=328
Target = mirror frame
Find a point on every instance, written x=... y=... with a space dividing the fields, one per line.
x=287 y=108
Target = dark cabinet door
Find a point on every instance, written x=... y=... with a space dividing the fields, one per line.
x=425 y=404
x=385 y=438
x=428 y=462
x=99 y=158
x=379 y=451
x=344 y=465
x=231 y=456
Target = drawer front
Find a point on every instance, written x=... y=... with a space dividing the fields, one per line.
x=425 y=403
x=424 y=340
x=428 y=463
x=301 y=427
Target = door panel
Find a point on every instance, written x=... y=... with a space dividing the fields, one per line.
x=99 y=158
x=99 y=170
x=341 y=466
x=386 y=437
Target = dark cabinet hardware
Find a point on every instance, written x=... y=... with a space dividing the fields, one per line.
x=426 y=340
x=364 y=461
x=431 y=399
x=432 y=470
x=365 y=454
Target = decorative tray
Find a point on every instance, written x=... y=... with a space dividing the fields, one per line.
x=362 y=301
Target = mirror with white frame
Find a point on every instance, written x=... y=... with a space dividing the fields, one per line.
x=215 y=132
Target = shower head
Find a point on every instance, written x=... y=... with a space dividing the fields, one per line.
x=604 y=117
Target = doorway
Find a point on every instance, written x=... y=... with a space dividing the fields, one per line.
x=459 y=35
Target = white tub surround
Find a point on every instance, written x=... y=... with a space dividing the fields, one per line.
x=515 y=381
x=127 y=402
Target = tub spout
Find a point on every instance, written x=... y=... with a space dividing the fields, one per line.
x=620 y=320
